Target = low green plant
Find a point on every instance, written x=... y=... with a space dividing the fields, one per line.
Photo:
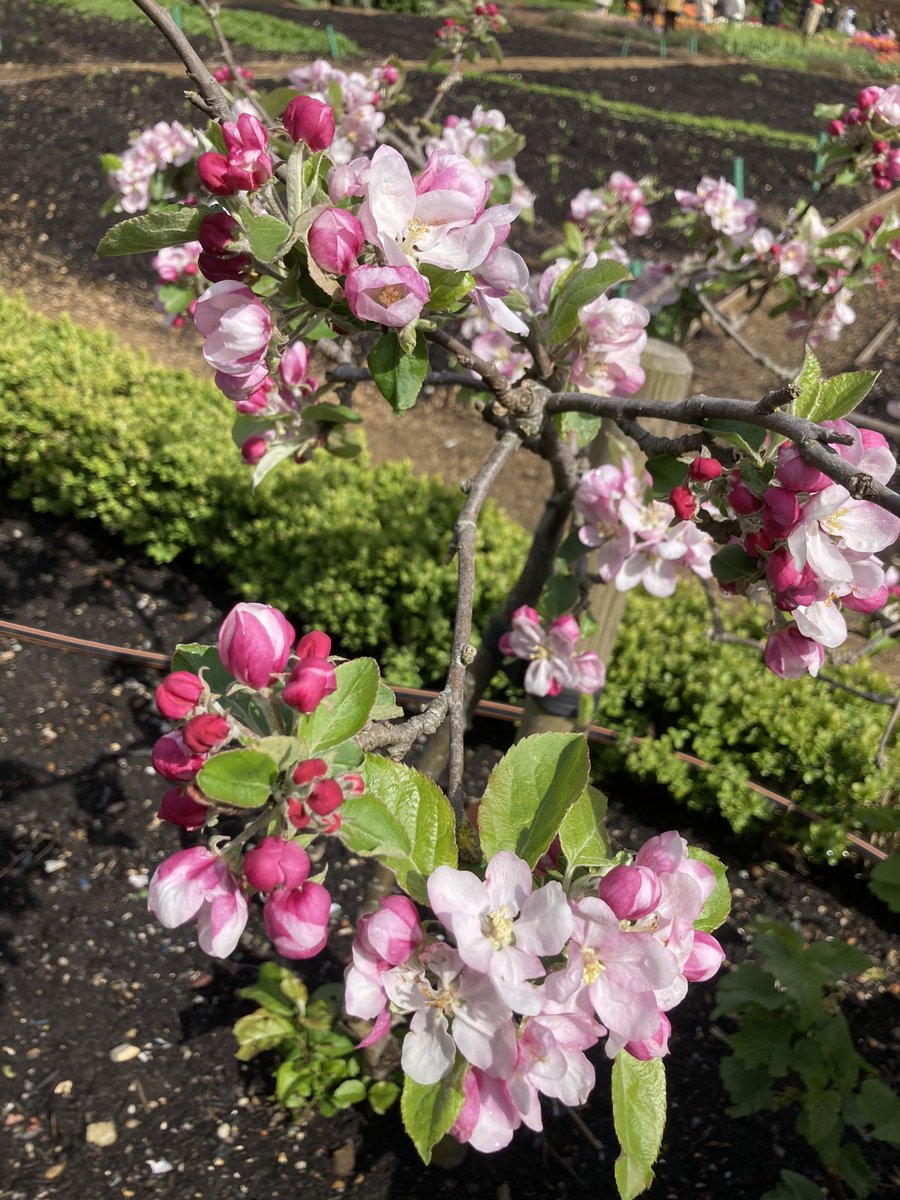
x=242 y=27
x=320 y=1068
x=789 y=50
x=793 y=1049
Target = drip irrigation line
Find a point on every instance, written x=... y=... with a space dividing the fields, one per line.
x=492 y=709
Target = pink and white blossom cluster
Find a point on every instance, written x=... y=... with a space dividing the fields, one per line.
x=356 y=98
x=533 y=978
x=618 y=207
x=638 y=539
x=872 y=128
x=480 y=138
x=150 y=151
x=553 y=664
x=716 y=203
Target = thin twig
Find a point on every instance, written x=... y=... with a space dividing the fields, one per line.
x=345 y=373
x=210 y=92
x=881 y=753
x=496 y=381
x=738 y=338
x=464 y=535
x=398 y=739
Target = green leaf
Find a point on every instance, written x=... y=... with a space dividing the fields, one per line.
x=330 y=414
x=807 y=385
x=175 y=299
x=382 y=1095
x=559 y=595
x=398 y=376
x=386 y=707
x=837 y=397
x=265 y=234
x=191 y=656
x=368 y=827
x=447 y=287
x=750 y=1089
x=732 y=563
x=429 y=1110
x=828 y=112
x=748 y=438
x=718 y=903
x=819 y=1116
x=584 y=428
x=583 y=831
x=875 y=1111
x=110 y=163
x=529 y=793
x=792 y=1186
x=343 y=713
x=242 y=778
x=884 y=881
x=667 y=473
x=749 y=985
x=270 y=992
x=576 y=288
x=261 y=1030
x=168 y=226
x=277 y=453
x=639 y=1113
x=424 y=813
x=764 y=1039
x=275 y=102
x=351 y=1091
x=294 y=1083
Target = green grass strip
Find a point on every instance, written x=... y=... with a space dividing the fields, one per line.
x=255 y=30
x=726 y=129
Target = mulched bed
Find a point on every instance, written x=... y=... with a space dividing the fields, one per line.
x=87 y=970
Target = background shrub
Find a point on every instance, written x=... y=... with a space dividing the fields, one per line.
x=89 y=429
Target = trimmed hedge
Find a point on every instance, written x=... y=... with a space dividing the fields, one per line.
x=89 y=429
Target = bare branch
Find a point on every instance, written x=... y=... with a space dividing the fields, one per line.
x=881 y=753
x=345 y=373
x=496 y=381
x=398 y=739
x=738 y=338
x=210 y=92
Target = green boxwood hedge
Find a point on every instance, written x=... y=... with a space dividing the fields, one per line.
x=89 y=429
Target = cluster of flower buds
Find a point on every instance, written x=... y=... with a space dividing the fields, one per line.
x=618 y=208
x=225 y=75
x=489 y=143
x=810 y=546
x=533 y=978
x=639 y=540
x=211 y=885
x=357 y=101
x=177 y=272
x=871 y=128
x=552 y=662
x=246 y=164
x=139 y=173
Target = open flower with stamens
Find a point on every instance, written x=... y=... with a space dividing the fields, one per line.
x=552 y=662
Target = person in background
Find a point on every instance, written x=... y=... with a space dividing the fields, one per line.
x=881 y=25
x=705 y=11
x=847 y=22
x=812 y=18
x=648 y=13
x=734 y=10
x=673 y=12
x=771 y=13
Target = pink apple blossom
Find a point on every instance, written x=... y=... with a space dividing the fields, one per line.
x=236 y=328
x=296 y=919
x=254 y=643
x=392 y=296
x=196 y=884
x=553 y=664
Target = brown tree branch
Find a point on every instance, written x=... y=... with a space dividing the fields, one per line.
x=398 y=739
x=210 y=92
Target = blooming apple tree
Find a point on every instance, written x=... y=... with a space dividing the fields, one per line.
x=308 y=224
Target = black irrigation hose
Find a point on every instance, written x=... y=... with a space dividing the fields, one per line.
x=493 y=709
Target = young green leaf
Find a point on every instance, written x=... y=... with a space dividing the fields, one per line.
x=347 y=709
x=168 y=226
x=732 y=563
x=840 y=395
x=242 y=778
x=718 y=903
x=583 y=831
x=429 y=1110
x=261 y=1030
x=885 y=882
x=265 y=234
x=667 y=473
x=639 y=1114
x=399 y=376
x=529 y=793
x=579 y=288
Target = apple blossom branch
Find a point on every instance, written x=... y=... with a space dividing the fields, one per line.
x=810 y=439
x=211 y=99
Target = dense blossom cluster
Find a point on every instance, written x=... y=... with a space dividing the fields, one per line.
x=871 y=130
x=638 y=539
x=553 y=664
x=533 y=978
x=150 y=151
x=212 y=885
x=357 y=99
x=618 y=207
x=486 y=140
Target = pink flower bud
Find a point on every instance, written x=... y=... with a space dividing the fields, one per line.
x=757 y=541
x=220 y=234
x=253 y=449
x=255 y=643
x=276 y=863
x=174 y=760
x=353 y=784
x=310 y=769
x=309 y=121
x=836 y=128
x=868 y=96
x=792 y=472
x=742 y=500
x=781 y=511
x=390 y=75
x=393 y=932
x=332 y=823
x=181 y=808
x=702 y=470
x=297 y=813
x=203 y=733
x=178 y=694
x=791 y=587
x=631 y=892
x=326 y=797
x=297 y=920
x=867 y=604
x=789 y=654
x=294 y=365
x=335 y=240
x=683 y=502
x=880 y=146
x=314 y=644
x=882 y=185
x=656 y=1046
x=311 y=680
x=853 y=116
x=705 y=958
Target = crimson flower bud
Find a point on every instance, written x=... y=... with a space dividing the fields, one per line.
x=213 y=169
x=206 y=731
x=255 y=643
x=836 y=128
x=390 y=75
x=297 y=814
x=178 y=694
x=335 y=240
x=631 y=892
x=215 y=267
x=309 y=121
x=174 y=760
x=219 y=234
x=181 y=808
x=276 y=863
x=881 y=146
x=314 y=644
x=758 y=541
x=333 y=824
x=781 y=511
x=702 y=470
x=325 y=797
x=311 y=680
x=683 y=502
x=310 y=769
x=868 y=96
x=253 y=448
x=353 y=784
x=742 y=500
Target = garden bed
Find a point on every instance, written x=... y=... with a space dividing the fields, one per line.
x=89 y=973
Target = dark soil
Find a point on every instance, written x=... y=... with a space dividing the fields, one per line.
x=86 y=970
